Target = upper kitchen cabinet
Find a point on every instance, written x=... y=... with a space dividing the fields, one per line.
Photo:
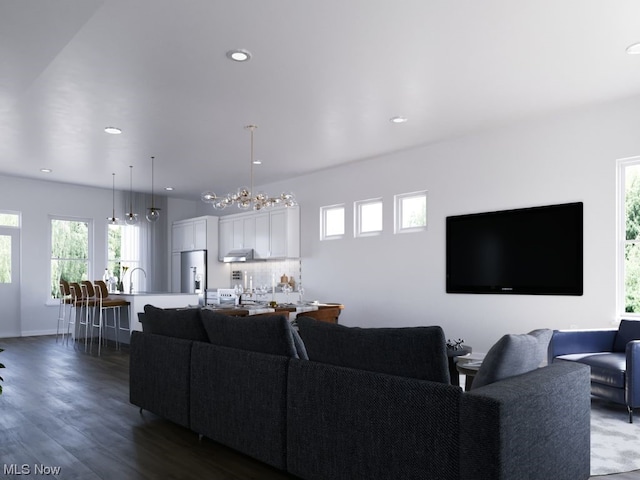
x=192 y=234
x=272 y=235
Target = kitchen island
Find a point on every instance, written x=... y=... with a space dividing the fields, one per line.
x=138 y=300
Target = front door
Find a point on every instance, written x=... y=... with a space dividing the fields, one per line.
x=10 y=282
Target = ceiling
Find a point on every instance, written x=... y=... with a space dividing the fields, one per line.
x=324 y=79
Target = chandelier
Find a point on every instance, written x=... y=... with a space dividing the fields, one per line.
x=244 y=198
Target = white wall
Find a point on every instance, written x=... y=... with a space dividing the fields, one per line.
x=36 y=201
x=399 y=280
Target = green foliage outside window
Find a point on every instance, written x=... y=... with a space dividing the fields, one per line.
x=632 y=236
x=69 y=252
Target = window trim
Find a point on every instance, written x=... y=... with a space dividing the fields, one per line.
x=323 y=222
x=397 y=204
x=357 y=217
x=621 y=240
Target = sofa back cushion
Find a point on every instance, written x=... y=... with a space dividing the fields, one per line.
x=414 y=352
x=510 y=356
x=180 y=323
x=627 y=331
x=270 y=334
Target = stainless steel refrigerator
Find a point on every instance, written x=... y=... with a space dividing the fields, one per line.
x=193 y=272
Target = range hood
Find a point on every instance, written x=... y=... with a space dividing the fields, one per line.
x=240 y=255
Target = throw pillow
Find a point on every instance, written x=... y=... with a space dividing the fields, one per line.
x=511 y=355
x=415 y=352
x=180 y=323
x=543 y=335
x=270 y=334
x=627 y=331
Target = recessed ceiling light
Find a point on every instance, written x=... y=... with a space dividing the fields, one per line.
x=633 y=49
x=113 y=130
x=169 y=189
x=257 y=162
x=46 y=170
x=398 y=119
x=239 y=55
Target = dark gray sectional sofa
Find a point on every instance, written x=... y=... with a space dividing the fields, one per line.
x=369 y=404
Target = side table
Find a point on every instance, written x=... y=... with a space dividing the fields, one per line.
x=453 y=358
x=469 y=366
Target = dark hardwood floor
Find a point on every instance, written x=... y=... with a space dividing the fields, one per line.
x=62 y=407
x=65 y=408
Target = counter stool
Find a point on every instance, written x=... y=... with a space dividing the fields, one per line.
x=106 y=303
x=90 y=304
x=64 y=311
x=78 y=305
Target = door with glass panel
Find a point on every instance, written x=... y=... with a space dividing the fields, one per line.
x=9 y=279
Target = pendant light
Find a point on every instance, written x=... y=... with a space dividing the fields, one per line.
x=244 y=198
x=131 y=218
x=153 y=215
x=112 y=219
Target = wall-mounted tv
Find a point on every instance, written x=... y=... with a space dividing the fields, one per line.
x=529 y=251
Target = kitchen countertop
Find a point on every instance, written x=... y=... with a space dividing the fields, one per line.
x=149 y=293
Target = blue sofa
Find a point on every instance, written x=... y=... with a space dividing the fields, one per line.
x=613 y=356
x=377 y=406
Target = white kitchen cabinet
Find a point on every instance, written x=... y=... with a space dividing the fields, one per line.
x=200 y=233
x=285 y=233
x=189 y=234
x=225 y=242
x=272 y=235
x=262 y=235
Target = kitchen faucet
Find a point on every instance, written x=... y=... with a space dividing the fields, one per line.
x=131 y=277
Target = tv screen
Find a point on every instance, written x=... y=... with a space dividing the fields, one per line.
x=532 y=251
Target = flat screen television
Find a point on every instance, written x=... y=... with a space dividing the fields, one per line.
x=528 y=251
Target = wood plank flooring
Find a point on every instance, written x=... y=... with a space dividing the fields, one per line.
x=65 y=408
x=62 y=407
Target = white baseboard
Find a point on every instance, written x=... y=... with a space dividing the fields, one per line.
x=37 y=333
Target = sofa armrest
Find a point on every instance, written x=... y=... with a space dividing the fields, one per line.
x=632 y=391
x=565 y=342
x=159 y=371
x=534 y=426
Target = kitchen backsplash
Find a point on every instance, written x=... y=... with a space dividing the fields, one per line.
x=261 y=273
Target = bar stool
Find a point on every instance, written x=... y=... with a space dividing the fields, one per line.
x=106 y=303
x=78 y=305
x=90 y=304
x=64 y=308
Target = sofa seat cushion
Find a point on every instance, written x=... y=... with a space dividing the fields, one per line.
x=414 y=352
x=607 y=368
x=270 y=334
x=627 y=331
x=179 y=323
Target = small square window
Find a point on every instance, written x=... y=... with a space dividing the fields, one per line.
x=411 y=212
x=368 y=217
x=332 y=222
x=9 y=219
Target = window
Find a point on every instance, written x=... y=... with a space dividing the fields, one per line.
x=411 y=212
x=7 y=219
x=123 y=250
x=332 y=222
x=368 y=217
x=70 y=254
x=629 y=234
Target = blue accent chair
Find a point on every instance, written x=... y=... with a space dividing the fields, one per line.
x=612 y=354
